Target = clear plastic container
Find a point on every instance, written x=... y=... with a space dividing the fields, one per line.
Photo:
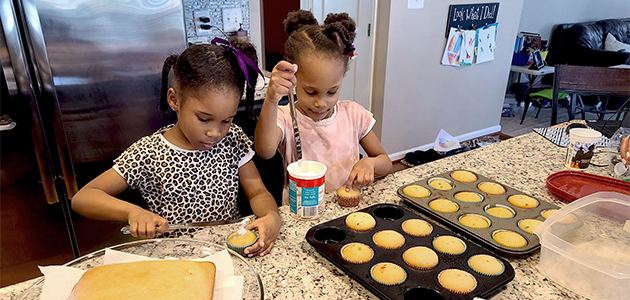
x=585 y=246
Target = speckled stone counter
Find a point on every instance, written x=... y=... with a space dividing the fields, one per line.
x=294 y=269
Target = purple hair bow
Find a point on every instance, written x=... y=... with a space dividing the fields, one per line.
x=242 y=58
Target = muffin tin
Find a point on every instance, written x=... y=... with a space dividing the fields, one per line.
x=482 y=235
x=328 y=238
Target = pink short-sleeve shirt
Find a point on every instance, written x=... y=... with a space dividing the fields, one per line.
x=333 y=141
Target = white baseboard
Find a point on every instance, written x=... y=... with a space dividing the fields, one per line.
x=462 y=137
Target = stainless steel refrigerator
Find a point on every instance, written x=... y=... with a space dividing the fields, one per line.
x=80 y=83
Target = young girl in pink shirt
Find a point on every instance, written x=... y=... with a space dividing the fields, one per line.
x=330 y=130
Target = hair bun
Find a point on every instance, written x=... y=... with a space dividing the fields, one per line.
x=345 y=21
x=297 y=19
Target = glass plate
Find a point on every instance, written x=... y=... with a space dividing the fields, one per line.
x=165 y=248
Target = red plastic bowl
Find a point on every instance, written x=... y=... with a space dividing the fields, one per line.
x=571 y=185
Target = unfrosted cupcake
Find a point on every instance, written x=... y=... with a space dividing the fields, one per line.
x=509 y=238
x=491 y=188
x=360 y=221
x=348 y=198
x=449 y=245
x=417 y=227
x=357 y=253
x=441 y=184
x=457 y=281
x=486 y=265
x=547 y=213
x=499 y=211
x=523 y=201
x=528 y=225
x=474 y=221
x=239 y=243
x=388 y=273
x=416 y=191
x=444 y=205
x=464 y=176
x=469 y=197
x=388 y=239
x=420 y=258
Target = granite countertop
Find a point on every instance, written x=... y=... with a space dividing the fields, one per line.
x=295 y=270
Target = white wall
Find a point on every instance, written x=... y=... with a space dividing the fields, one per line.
x=540 y=15
x=255 y=19
x=421 y=96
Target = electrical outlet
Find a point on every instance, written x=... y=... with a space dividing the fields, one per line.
x=415 y=4
x=232 y=19
x=202 y=22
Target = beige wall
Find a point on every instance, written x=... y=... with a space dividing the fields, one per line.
x=540 y=15
x=420 y=96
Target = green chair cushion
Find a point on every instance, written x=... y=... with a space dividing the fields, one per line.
x=548 y=93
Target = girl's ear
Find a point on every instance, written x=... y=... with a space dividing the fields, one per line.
x=173 y=99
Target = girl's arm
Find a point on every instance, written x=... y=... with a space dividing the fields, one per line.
x=96 y=201
x=268 y=134
x=264 y=206
x=376 y=164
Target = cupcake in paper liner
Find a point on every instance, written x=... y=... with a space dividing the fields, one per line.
x=486 y=265
x=348 y=198
x=449 y=245
x=357 y=253
x=240 y=243
x=388 y=273
x=457 y=281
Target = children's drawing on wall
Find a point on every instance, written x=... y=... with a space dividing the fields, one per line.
x=453 y=47
x=467 y=56
x=486 y=42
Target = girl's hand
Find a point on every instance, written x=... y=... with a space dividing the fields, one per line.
x=362 y=173
x=142 y=223
x=281 y=81
x=268 y=228
x=625 y=151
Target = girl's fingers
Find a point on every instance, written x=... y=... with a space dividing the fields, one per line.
x=133 y=229
x=267 y=249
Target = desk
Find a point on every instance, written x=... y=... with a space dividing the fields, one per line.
x=295 y=270
x=533 y=75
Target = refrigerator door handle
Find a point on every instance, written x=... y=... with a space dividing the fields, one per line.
x=48 y=92
x=19 y=84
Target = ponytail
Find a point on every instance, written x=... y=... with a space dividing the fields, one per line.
x=166 y=69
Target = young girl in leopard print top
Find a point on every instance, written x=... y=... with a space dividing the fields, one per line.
x=190 y=171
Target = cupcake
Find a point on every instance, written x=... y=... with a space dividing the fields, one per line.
x=348 y=198
x=441 y=184
x=523 y=201
x=491 y=188
x=420 y=258
x=449 y=244
x=499 y=211
x=388 y=239
x=474 y=221
x=509 y=239
x=468 y=197
x=528 y=225
x=416 y=191
x=238 y=243
x=444 y=206
x=547 y=213
x=457 y=281
x=360 y=221
x=417 y=227
x=388 y=273
x=486 y=265
x=464 y=176
x=357 y=253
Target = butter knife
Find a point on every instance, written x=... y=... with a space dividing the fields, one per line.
x=125 y=230
x=296 y=132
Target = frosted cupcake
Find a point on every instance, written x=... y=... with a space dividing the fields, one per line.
x=348 y=198
x=238 y=243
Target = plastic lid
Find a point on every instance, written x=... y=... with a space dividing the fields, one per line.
x=594 y=231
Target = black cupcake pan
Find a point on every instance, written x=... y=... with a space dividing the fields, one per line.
x=328 y=238
x=483 y=236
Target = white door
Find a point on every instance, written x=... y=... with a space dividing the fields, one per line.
x=357 y=85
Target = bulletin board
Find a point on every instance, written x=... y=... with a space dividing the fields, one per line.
x=471 y=16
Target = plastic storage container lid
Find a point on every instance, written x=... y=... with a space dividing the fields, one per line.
x=593 y=231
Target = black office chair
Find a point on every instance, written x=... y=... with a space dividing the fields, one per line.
x=583 y=80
